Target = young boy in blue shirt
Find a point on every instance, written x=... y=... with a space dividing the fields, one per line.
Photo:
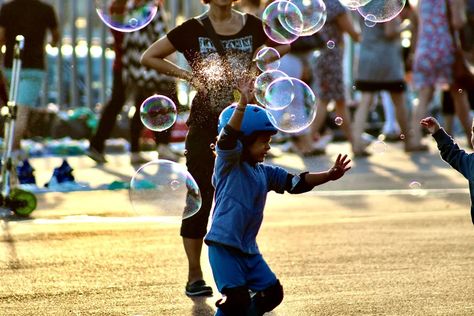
x=241 y=182
x=452 y=154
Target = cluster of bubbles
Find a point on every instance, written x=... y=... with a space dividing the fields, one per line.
x=284 y=21
x=163 y=187
x=289 y=101
x=126 y=15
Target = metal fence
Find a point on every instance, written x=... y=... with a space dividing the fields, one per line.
x=80 y=69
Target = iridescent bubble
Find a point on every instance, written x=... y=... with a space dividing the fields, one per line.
x=263 y=81
x=164 y=188
x=280 y=93
x=158 y=113
x=268 y=58
x=379 y=147
x=369 y=20
x=314 y=15
x=126 y=16
x=339 y=121
x=415 y=185
x=300 y=113
x=379 y=11
x=282 y=21
x=331 y=44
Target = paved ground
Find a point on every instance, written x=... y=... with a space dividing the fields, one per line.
x=369 y=244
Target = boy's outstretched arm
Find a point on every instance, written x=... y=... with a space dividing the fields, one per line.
x=307 y=181
x=449 y=150
x=339 y=168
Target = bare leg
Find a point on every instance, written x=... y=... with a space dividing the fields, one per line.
x=360 y=120
x=321 y=114
x=462 y=108
x=342 y=112
x=448 y=123
x=193 y=248
x=419 y=112
x=398 y=99
x=303 y=143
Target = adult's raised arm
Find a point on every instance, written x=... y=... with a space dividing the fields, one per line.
x=156 y=57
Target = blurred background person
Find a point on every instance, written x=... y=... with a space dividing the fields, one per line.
x=32 y=19
x=434 y=57
x=142 y=82
x=328 y=68
x=117 y=99
x=130 y=78
x=380 y=68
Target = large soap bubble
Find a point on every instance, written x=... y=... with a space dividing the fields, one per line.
x=301 y=111
x=164 y=188
x=126 y=16
x=314 y=15
x=282 y=21
x=379 y=11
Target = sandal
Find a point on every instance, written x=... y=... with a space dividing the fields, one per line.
x=198 y=288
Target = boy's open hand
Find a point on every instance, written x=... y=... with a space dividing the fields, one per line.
x=246 y=89
x=340 y=167
x=431 y=124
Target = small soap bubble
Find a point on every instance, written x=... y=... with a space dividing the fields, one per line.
x=415 y=185
x=158 y=113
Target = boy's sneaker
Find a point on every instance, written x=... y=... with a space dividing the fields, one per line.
x=198 y=288
x=25 y=173
x=95 y=155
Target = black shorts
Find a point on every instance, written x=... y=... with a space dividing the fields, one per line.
x=200 y=158
x=372 y=86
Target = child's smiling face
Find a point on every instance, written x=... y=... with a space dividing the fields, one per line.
x=259 y=148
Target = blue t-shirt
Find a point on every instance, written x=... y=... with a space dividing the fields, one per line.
x=241 y=192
